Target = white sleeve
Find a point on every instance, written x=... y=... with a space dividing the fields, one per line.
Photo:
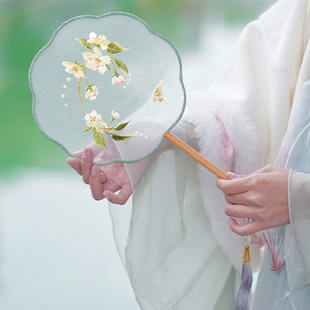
x=299 y=203
x=241 y=120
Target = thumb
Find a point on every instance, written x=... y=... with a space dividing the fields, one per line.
x=232 y=175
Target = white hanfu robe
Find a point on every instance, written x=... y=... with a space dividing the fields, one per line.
x=173 y=236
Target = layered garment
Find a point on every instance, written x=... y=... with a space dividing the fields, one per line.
x=173 y=235
x=290 y=285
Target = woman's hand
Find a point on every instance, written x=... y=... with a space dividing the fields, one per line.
x=261 y=197
x=104 y=180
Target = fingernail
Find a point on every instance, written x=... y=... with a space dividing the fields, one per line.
x=69 y=163
x=93 y=171
x=231 y=175
x=86 y=153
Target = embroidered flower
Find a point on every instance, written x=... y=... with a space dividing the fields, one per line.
x=118 y=80
x=100 y=40
x=102 y=127
x=96 y=61
x=115 y=115
x=92 y=119
x=74 y=68
x=92 y=93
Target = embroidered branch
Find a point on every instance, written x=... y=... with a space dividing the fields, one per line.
x=96 y=61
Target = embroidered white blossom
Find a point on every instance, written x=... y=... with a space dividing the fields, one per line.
x=118 y=80
x=102 y=127
x=92 y=119
x=100 y=40
x=115 y=115
x=96 y=61
x=74 y=68
x=93 y=93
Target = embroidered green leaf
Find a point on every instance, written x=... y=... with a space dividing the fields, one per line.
x=121 y=126
x=121 y=138
x=108 y=68
x=84 y=43
x=87 y=129
x=98 y=138
x=115 y=48
x=122 y=66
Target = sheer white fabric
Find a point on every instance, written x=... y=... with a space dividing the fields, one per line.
x=172 y=257
x=291 y=288
x=178 y=257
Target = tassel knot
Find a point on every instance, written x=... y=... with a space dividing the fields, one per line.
x=246 y=254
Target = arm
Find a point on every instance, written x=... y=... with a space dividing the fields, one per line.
x=261 y=196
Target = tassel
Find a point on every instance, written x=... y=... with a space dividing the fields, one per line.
x=242 y=300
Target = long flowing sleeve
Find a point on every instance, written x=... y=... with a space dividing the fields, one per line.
x=251 y=101
x=170 y=253
x=299 y=185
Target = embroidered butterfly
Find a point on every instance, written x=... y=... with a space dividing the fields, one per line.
x=157 y=93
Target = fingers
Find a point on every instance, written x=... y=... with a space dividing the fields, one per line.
x=249 y=198
x=240 y=211
x=86 y=164
x=103 y=177
x=122 y=197
x=75 y=164
x=97 y=180
x=246 y=229
x=232 y=175
x=95 y=183
x=235 y=186
x=260 y=196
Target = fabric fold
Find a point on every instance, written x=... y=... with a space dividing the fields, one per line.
x=171 y=253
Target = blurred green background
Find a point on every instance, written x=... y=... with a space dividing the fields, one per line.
x=26 y=26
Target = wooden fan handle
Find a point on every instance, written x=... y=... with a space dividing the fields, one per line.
x=195 y=155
